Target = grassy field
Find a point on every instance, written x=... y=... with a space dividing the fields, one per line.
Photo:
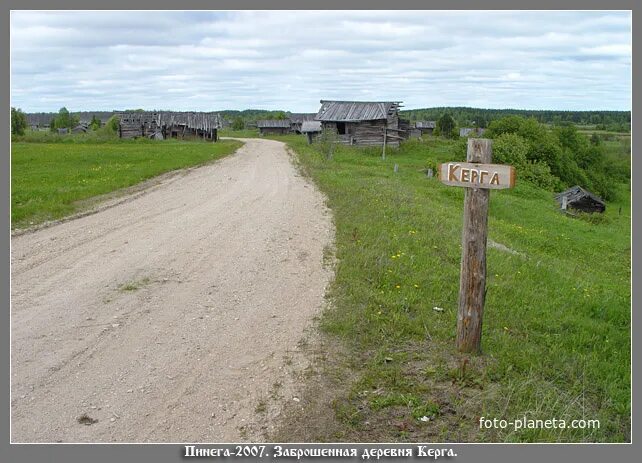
x=556 y=333
x=50 y=179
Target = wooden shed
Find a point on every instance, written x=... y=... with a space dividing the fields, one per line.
x=297 y=120
x=168 y=124
x=311 y=129
x=362 y=123
x=425 y=127
x=580 y=199
x=274 y=127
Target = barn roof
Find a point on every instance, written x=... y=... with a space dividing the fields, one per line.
x=274 y=124
x=194 y=120
x=311 y=126
x=301 y=117
x=577 y=192
x=353 y=111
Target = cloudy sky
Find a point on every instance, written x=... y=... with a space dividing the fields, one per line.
x=206 y=61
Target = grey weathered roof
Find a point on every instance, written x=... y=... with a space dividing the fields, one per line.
x=300 y=117
x=577 y=192
x=274 y=124
x=352 y=111
x=425 y=124
x=194 y=120
x=311 y=126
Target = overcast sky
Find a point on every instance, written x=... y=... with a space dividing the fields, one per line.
x=207 y=61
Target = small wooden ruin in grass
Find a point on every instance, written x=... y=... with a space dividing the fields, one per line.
x=579 y=199
x=162 y=125
x=362 y=123
x=274 y=127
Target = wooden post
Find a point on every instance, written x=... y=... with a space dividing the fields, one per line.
x=472 y=284
x=383 y=153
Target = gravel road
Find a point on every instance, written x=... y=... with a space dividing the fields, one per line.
x=171 y=316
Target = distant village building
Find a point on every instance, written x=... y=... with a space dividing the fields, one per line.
x=168 y=124
x=362 y=123
x=311 y=129
x=471 y=131
x=425 y=127
x=297 y=120
x=274 y=127
x=580 y=199
x=63 y=131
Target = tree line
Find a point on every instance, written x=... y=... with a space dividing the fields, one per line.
x=618 y=121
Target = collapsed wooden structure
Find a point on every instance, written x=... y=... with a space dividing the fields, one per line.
x=274 y=127
x=362 y=123
x=580 y=199
x=168 y=124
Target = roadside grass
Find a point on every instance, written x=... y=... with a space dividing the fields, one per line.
x=50 y=180
x=556 y=334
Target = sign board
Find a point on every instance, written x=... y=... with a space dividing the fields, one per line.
x=473 y=175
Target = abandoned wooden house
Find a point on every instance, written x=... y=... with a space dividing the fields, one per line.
x=362 y=123
x=311 y=129
x=580 y=199
x=297 y=120
x=274 y=127
x=168 y=124
x=425 y=127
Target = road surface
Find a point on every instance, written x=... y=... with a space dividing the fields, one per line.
x=172 y=316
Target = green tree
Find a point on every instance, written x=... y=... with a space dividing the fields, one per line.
x=238 y=124
x=446 y=125
x=510 y=148
x=64 y=120
x=95 y=123
x=18 y=121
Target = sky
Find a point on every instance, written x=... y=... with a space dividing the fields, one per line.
x=289 y=60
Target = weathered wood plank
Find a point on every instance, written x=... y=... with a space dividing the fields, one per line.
x=472 y=285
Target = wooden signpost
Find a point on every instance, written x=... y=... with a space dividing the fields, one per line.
x=478 y=176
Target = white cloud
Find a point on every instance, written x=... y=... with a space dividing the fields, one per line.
x=289 y=60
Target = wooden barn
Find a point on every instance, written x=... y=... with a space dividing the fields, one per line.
x=168 y=124
x=580 y=199
x=297 y=120
x=274 y=127
x=425 y=127
x=362 y=123
x=311 y=129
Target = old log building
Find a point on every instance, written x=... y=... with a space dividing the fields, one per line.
x=168 y=124
x=274 y=127
x=362 y=123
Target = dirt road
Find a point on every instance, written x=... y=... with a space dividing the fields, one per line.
x=174 y=316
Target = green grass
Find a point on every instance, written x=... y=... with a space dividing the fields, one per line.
x=556 y=332
x=49 y=180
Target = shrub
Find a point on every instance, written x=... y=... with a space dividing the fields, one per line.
x=510 y=148
x=18 y=122
x=539 y=174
